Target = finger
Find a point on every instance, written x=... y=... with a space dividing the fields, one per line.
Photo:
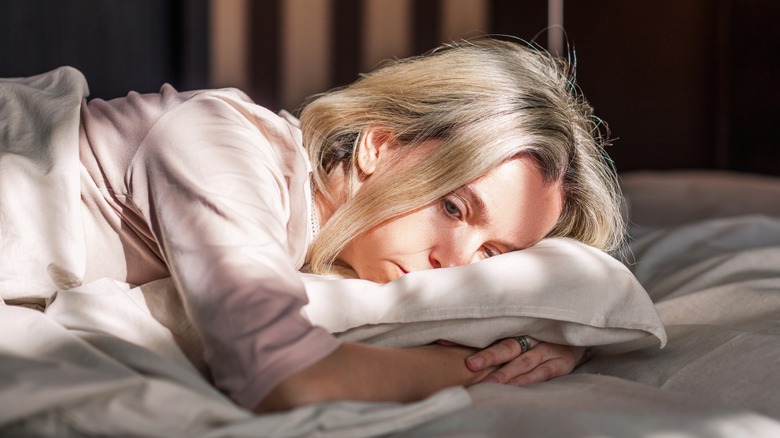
x=556 y=360
x=542 y=373
x=499 y=353
x=569 y=354
x=532 y=342
x=523 y=364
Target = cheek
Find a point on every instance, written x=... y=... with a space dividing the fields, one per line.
x=409 y=233
x=415 y=229
x=370 y=246
x=393 y=237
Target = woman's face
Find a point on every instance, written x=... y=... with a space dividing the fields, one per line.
x=509 y=209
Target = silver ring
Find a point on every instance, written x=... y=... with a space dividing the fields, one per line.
x=525 y=344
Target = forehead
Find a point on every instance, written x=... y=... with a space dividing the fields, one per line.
x=519 y=207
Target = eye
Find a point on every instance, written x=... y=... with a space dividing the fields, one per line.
x=490 y=252
x=451 y=208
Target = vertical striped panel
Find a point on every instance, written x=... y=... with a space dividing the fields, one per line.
x=463 y=19
x=427 y=25
x=555 y=34
x=347 y=38
x=387 y=30
x=265 y=52
x=306 y=36
x=524 y=19
x=228 y=46
x=723 y=76
x=193 y=25
x=281 y=51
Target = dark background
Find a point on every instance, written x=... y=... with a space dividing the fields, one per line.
x=683 y=84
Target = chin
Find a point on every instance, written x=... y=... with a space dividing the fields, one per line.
x=380 y=275
x=378 y=278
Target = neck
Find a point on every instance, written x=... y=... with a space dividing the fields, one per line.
x=337 y=195
x=322 y=208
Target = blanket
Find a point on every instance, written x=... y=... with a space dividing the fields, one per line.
x=109 y=358
x=98 y=362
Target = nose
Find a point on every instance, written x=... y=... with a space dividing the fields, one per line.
x=454 y=252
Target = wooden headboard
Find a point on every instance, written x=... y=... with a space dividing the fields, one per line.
x=681 y=84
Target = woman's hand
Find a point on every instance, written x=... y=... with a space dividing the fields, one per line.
x=543 y=361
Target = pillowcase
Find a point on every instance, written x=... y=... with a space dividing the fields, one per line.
x=559 y=291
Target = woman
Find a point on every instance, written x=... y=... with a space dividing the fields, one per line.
x=470 y=151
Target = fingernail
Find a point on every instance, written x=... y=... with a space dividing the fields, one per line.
x=489 y=380
x=475 y=363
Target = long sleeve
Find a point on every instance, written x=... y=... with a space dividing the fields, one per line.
x=212 y=177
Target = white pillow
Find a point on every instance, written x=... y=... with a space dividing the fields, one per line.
x=559 y=291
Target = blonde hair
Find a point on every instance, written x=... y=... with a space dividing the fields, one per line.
x=484 y=101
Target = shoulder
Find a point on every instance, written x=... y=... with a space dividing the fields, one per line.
x=209 y=130
x=225 y=121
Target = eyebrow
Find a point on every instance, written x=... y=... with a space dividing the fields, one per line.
x=478 y=205
x=481 y=212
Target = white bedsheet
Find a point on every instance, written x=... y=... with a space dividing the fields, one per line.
x=99 y=363
x=717 y=288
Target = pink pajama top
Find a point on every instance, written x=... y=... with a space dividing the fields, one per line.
x=213 y=190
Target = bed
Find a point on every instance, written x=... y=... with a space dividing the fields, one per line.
x=706 y=248
x=683 y=328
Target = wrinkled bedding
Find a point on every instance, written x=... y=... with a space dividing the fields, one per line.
x=717 y=288
x=99 y=362
x=107 y=358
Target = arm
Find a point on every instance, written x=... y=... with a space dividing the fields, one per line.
x=212 y=182
x=364 y=372
x=368 y=373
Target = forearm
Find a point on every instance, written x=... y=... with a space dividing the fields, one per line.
x=367 y=373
